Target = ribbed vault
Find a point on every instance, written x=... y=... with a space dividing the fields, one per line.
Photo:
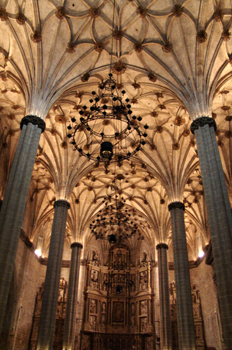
x=174 y=62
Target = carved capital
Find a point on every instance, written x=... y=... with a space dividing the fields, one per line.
x=33 y=119
x=162 y=246
x=175 y=205
x=61 y=203
x=76 y=244
x=199 y=122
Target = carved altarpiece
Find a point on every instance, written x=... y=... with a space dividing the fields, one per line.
x=118 y=303
x=197 y=314
x=60 y=314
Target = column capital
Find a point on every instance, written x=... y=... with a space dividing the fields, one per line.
x=61 y=203
x=33 y=119
x=175 y=205
x=162 y=246
x=76 y=244
x=199 y=122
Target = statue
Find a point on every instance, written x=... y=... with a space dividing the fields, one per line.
x=95 y=258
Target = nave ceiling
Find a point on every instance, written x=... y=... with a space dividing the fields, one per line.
x=173 y=60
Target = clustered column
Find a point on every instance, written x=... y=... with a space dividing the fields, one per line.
x=219 y=216
x=165 y=316
x=52 y=280
x=14 y=203
x=185 y=321
x=71 y=307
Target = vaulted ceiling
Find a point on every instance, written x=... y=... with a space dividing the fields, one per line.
x=173 y=58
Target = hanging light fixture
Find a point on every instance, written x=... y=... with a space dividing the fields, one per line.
x=106 y=150
x=110 y=131
x=115 y=221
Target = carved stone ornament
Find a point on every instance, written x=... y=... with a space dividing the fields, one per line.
x=20 y=18
x=167 y=47
x=176 y=205
x=138 y=47
x=162 y=246
x=61 y=203
x=200 y=122
x=177 y=10
x=36 y=36
x=85 y=77
x=3 y=14
x=99 y=46
x=71 y=47
x=60 y=13
x=218 y=15
x=226 y=35
x=136 y=85
x=142 y=11
x=117 y=34
x=201 y=36
x=152 y=77
x=119 y=68
x=176 y=146
x=33 y=119
x=94 y=12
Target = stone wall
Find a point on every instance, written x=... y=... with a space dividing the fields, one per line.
x=28 y=276
x=203 y=277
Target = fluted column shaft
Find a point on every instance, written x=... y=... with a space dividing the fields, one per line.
x=71 y=307
x=14 y=203
x=52 y=280
x=185 y=319
x=219 y=216
x=165 y=315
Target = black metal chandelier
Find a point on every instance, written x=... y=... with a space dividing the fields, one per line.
x=107 y=130
x=114 y=222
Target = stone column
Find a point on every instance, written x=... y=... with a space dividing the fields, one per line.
x=52 y=280
x=71 y=307
x=165 y=315
x=14 y=203
x=219 y=216
x=185 y=321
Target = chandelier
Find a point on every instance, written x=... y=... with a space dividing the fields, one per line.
x=107 y=130
x=115 y=222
